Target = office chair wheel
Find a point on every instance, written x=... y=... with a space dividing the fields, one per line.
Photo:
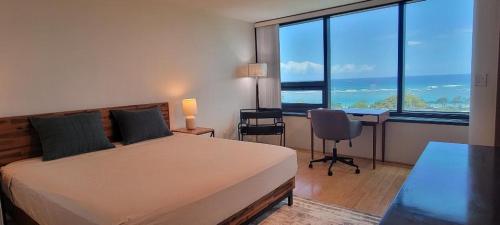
x=310 y=165
x=330 y=173
x=357 y=171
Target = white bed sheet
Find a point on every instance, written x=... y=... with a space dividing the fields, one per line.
x=181 y=179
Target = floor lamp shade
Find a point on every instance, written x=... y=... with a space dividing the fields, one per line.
x=257 y=70
x=190 y=108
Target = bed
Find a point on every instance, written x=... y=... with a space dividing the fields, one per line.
x=181 y=179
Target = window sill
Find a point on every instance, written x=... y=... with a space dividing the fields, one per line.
x=409 y=119
x=429 y=120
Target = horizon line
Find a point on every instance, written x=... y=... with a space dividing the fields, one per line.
x=423 y=75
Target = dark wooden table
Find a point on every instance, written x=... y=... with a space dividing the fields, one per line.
x=450 y=184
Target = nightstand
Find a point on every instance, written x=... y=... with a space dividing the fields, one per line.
x=196 y=131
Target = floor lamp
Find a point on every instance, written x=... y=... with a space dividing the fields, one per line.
x=257 y=70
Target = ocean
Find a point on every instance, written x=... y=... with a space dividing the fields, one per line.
x=423 y=93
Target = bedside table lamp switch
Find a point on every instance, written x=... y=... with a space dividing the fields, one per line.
x=190 y=109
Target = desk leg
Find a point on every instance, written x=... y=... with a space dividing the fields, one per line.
x=374 y=154
x=383 y=141
x=312 y=143
x=212 y=134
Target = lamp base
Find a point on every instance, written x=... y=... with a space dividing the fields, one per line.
x=190 y=123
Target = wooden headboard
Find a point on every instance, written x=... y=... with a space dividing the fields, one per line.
x=18 y=140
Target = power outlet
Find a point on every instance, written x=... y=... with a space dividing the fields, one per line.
x=481 y=80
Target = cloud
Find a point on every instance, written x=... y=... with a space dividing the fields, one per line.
x=351 y=68
x=295 y=71
x=300 y=68
x=300 y=71
x=414 y=43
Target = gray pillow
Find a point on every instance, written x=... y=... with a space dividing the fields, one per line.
x=64 y=136
x=140 y=125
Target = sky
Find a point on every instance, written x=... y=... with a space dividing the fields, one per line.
x=438 y=40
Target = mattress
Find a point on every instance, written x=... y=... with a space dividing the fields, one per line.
x=181 y=179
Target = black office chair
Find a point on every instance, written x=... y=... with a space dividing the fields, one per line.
x=334 y=125
x=271 y=123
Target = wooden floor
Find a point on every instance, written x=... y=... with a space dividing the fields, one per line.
x=371 y=191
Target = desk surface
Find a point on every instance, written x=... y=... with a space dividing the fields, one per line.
x=450 y=184
x=372 y=112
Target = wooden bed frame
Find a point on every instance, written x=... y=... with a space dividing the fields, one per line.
x=18 y=141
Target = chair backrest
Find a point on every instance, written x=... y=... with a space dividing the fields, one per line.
x=263 y=113
x=330 y=124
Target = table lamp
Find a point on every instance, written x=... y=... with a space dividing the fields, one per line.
x=257 y=70
x=190 y=109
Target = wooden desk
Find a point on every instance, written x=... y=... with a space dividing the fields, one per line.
x=450 y=184
x=369 y=117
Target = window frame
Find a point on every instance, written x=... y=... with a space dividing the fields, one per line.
x=324 y=86
x=310 y=85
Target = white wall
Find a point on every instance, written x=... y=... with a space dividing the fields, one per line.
x=404 y=141
x=485 y=61
x=58 y=55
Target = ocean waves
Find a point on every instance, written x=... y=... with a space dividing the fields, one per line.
x=364 y=90
x=393 y=90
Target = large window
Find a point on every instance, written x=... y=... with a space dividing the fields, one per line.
x=438 y=49
x=302 y=65
x=364 y=59
x=408 y=57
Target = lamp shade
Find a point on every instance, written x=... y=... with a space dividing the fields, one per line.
x=189 y=107
x=257 y=70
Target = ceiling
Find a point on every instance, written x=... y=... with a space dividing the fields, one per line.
x=260 y=10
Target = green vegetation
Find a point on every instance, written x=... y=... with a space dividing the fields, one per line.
x=360 y=104
x=458 y=100
x=412 y=102
x=442 y=101
x=388 y=103
x=337 y=106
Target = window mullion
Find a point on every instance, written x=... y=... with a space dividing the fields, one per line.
x=401 y=54
x=326 y=48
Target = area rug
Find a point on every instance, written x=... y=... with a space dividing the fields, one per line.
x=306 y=212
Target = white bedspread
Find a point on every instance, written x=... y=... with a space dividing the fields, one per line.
x=181 y=179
